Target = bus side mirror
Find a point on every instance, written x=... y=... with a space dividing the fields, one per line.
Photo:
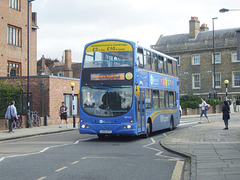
x=137 y=90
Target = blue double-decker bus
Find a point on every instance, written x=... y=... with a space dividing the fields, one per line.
x=127 y=89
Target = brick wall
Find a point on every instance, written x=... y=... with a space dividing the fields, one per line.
x=54 y=89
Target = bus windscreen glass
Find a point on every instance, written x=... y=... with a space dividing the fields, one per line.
x=108 y=54
x=98 y=100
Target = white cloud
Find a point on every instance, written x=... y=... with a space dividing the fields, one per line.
x=70 y=24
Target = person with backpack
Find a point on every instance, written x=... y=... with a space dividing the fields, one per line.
x=203 y=107
x=11 y=115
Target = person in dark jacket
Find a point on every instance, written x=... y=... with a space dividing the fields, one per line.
x=226 y=116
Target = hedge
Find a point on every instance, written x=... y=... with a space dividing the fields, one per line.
x=7 y=94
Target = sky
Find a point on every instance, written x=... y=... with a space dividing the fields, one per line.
x=70 y=24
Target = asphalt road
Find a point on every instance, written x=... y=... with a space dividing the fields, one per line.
x=70 y=155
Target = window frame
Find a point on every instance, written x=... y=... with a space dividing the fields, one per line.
x=15 y=4
x=14 y=35
x=215 y=80
x=193 y=81
x=233 y=59
x=233 y=79
x=11 y=65
x=220 y=57
x=193 y=59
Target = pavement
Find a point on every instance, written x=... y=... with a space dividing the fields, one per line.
x=34 y=131
x=214 y=153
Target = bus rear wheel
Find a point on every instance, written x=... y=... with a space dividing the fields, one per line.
x=171 y=124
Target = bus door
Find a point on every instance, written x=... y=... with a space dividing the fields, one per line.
x=141 y=111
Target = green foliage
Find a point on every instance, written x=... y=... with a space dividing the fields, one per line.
x=193 y=101
x=7 y=94
x=211 y=102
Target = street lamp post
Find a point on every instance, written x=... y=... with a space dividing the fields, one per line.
x=214 y=64
x=28 y=45
x=73 y=108
x=226 y=82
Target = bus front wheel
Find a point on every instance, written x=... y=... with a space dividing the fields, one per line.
x=148 y=131
x=101 y=136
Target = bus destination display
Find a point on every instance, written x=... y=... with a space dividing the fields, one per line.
x=110 y=76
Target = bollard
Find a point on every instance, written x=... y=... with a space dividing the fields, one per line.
x=45 y=120
x=74 y=122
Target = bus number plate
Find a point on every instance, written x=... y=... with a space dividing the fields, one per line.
x=106 y=131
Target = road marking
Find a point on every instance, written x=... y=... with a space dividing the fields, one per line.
x=177 y=172
x=61 y=169
x=41 y=178
x=43 y=150
x=159 y=152
x=75 y=162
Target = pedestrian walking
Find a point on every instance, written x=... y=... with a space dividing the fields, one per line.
x=63 y=114
x=11 y=115
x=204 y=107
x=238 y=105
x=226 y=115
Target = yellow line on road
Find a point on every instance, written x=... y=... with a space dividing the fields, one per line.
x=177 y=173
x=75 y=162
x=61 y=169
x=41 y=178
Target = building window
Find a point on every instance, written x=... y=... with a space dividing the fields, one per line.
x=14 y=4
x=195 y=60
x=217 y=80
x=13 y=69
x=69 y=103
x=234 y=57
x=236 y=79
x=196 y=81
x=14 y=35
x=217 y=58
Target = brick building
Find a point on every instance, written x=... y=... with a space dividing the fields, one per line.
x=14 y=38
x=47 y=93
x=194 y=50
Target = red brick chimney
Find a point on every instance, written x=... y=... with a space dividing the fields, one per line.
x=204 y=27
x=68 y=72
x=43 y=60
x=194 y=27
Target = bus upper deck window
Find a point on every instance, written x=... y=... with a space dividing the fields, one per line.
x=155 y=63
x=160 y=64
x=147 y=60
x=140 y=58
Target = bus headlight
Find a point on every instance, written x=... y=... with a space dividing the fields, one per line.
x=83 y=126
x=129 y=126
x=81 y=121
x=124 y=127
x=131 y=121
x=87 y=126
